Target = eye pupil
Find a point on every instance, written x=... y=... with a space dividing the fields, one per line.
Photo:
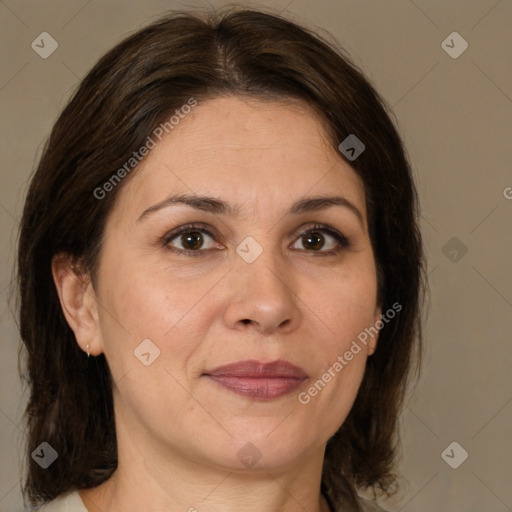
x=192 y=240
x=314 y=240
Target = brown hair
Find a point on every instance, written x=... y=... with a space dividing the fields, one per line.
x=128 y=93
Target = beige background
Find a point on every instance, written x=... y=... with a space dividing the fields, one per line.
x=455 y=116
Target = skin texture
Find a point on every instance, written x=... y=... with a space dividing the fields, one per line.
x=179 y=432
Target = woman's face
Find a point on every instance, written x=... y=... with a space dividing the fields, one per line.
x=250 y=287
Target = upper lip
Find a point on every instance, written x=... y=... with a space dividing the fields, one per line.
x=252 y=368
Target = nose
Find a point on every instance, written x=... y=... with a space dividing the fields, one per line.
x=262 y=297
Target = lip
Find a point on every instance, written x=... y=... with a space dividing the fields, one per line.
x=258 y=380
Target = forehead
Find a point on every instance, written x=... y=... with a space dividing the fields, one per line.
x=246 y=151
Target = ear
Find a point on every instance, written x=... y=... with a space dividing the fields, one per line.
x=372 y=342
x=78 y=302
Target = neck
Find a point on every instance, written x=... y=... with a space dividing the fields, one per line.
x=153 y=479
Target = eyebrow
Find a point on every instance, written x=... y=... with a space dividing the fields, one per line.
x=218 y=207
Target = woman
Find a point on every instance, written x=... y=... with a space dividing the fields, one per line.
x=220 y=272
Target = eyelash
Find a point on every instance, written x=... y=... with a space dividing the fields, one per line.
x=342 y=240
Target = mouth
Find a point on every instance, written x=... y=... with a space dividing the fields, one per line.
x=257 y=380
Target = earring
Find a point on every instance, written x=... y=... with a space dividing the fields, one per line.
x=88 y=355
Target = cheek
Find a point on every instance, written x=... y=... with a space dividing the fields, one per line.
x=345 y=302
x=333 y=389
x=147 y=300
x=138 y=304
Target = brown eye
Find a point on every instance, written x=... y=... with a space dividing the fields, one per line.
x=190 y=239
x=313 y=240
x=322 y=240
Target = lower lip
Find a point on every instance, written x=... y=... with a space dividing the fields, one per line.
x=259 y=388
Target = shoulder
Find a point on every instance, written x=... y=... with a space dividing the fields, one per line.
x=68 y=502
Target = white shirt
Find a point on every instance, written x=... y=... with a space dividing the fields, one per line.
x=68 y=502
x=71 y=502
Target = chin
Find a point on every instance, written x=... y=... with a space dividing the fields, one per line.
x=265 y=448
